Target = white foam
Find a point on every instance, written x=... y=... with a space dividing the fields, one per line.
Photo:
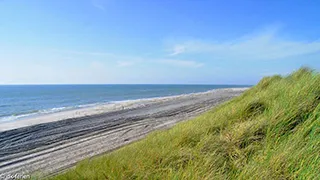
x=57 y=114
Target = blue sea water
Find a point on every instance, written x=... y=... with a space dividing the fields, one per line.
x=20 y=101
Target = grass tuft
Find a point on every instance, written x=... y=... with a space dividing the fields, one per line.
x=272 y=131
x=254 y=109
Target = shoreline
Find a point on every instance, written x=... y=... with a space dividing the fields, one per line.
x=94 y=110
x=56 y=145
x=37 y=106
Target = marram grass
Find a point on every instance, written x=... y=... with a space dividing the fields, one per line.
x=272 y=131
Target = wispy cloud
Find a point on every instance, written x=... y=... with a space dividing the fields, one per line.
x=125 y=63
x=96 y=65
x=106 y=55
x=256 y=46
x=178 y=49
x=82 y=52
x=181 y=63
x=98 y=4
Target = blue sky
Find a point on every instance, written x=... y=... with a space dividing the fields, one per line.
x=163 y=41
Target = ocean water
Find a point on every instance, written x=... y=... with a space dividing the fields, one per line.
x=22 y=101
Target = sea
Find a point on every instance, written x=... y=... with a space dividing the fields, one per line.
x=18 y=102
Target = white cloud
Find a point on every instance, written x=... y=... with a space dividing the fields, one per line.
x=181 y=63
x=125 y=63
x=178 y=49
x=98 y=4
x=96 y=65
x=261 y=46
x=71 y=52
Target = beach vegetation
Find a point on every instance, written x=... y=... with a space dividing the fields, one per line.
x=271 y=131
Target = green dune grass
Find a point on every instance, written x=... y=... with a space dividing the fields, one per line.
x=272 y=131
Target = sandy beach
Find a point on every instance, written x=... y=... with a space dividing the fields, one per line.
x=51 y=143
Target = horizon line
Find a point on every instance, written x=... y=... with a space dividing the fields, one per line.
x=125 y=84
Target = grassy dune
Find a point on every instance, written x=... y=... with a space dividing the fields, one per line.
x=272 y=131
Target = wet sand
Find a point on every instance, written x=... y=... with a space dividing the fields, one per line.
x=52 y=143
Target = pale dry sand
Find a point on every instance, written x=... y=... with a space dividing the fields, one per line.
x=55 y=142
